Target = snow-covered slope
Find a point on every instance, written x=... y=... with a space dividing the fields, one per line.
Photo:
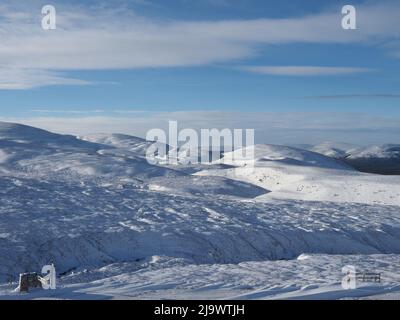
x=274 y=155
x=25 y=138
x=98 y=207
x=116 y=140
x=383 y=159
x=334 y=149
x=311 y=277
x=27 y=151
x=291 y=173
x=378 y=159
x=131 y=144
x=206 y=186
x=82 y=226
x=389 y=151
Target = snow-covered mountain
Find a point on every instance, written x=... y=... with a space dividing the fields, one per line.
x=333 y=149
x=127 y=143
x=379 y=159
x=115 y=225
x=27 y=152
x=383 y=159
x=267 y=155
x=291 y=173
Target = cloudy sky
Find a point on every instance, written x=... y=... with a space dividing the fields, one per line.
x=286 y=68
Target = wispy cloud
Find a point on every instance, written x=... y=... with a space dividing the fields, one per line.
x=99 y=39
x=24 y=78
x=304 y=71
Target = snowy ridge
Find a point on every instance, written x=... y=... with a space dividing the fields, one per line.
x=125 y=143
x=388 y=151
x=379 y=159
x=266 y=155
x=27 y=152
x=376 y=159
x=333 y=149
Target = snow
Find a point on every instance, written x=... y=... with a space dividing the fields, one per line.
x=333 y=149
x=289 y=173
x=379 y=159
x=281 y=155
x=86 y=225
x=118 y=227
x=124 y=143
x=209 y=186
x=385 y=151
x=346 y=150
x=318 y=277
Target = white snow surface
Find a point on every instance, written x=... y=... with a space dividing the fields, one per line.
x=334 y=149
x=163 y=278
x=389 y=151
x=302 y=175
x=117 y=227
x=352 y=151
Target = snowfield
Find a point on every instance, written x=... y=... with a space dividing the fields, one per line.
x=118 y=227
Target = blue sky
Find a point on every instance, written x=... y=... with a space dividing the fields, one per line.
x=258 y=56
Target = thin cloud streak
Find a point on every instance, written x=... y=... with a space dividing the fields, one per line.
x=304 y=71
x=22 y=78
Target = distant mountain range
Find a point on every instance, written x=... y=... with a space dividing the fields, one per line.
x=379 y=159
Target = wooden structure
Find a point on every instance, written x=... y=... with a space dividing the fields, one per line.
x=28 y=281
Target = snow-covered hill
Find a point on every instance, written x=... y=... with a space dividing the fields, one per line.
x=274 y=155
x=333 y=149
x=97 y=209
x=27 y=152
x=383 y=159
x=291 y=173
x=130 y=144
x=378 y=159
